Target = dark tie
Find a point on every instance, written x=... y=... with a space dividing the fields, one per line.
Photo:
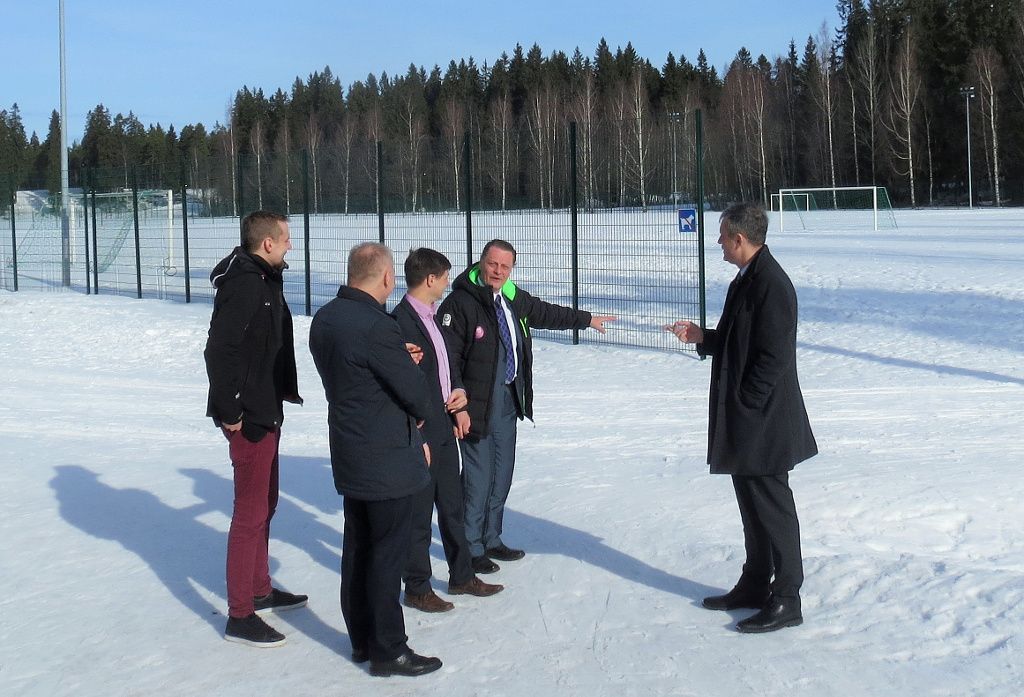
x=506 y=340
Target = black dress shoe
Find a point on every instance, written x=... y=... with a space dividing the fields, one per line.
x=360 y=655
x=777 y=614
x=483 y=565
x=737 y=598
x=408 y=663
x=503 y=553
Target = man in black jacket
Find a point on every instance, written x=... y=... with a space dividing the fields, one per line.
x=426 y=275
x=488 y=319
x=757 y=425
x=250 y=361
x=376 y=400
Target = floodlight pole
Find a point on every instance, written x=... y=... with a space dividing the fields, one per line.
x=65 y=226
x=674 y=120
x=968 y=94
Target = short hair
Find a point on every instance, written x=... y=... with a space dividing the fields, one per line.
x=258 y=226
x=747 y=218
x=499 y=244
x=367 y=260
x=423 y=262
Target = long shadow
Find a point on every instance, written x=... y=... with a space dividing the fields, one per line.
x=179 y=549
x=917 y=365
x=548 y=537
x=291 y=524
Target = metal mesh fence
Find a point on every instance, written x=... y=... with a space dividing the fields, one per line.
x=157 y=231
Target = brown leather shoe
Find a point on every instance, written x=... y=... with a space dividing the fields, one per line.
x=428 y=602
x=475 y=586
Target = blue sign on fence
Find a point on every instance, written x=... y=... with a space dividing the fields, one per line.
x=687 y=220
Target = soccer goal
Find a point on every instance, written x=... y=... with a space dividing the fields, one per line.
x=830 y=208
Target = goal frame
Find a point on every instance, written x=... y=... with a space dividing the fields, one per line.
x=832 y=190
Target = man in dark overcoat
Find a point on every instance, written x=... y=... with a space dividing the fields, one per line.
x=376 y=400
x=757 y=424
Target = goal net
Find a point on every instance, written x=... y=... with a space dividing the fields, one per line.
x=831 y=208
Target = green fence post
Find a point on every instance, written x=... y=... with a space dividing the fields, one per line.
x=699 y=126
x=380 y=193
x=184 y=233
x=138 y=251
x=85 y=219
x=305 y=230
x=574 y=227
x=14 y=235
x=467 y=163
x=95 y=234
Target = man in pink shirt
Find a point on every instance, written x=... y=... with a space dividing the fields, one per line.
x=426 y=275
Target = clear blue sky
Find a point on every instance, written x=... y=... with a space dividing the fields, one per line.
x=179 y=63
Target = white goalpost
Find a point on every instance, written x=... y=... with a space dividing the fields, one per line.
x=824 y=208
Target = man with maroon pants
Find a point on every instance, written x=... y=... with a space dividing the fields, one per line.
x=250 y=360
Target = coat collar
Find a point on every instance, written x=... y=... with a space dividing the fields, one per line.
x=350 y=293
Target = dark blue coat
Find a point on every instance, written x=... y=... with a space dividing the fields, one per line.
x=375 y=397
x=757 y=423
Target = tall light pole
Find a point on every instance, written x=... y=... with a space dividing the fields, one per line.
x=65 y=226
x=674 y=119
x=968 y=95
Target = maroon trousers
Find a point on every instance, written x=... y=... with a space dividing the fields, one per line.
x=255 y=474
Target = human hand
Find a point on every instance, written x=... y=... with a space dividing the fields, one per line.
x=457 y=401
x=597 y=321
x=462 y=422
x=687 y=332
x=426 y=453
x=415 y=351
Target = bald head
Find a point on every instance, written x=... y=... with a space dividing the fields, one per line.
x=371 y=268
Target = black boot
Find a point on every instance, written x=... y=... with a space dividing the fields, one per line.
x=777 y=614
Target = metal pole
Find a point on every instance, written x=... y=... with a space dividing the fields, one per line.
x=574 y=226
x=674 y=120
x=968 y=94
x=305 y=230
x=95 y=234
x=467 y=162
x=14 y=235
x=65 y=224
x=85 y=219
x=380 y=197
x=184 y=234
x=699 y=126
x=135 y=216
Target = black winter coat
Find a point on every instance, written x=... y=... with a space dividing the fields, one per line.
x=375 y=396
x=468 y=317
x=757 y=423
x=438 y=429
x=250 y=352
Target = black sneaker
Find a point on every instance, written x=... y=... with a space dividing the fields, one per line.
x=253 y=631
x=278 y=600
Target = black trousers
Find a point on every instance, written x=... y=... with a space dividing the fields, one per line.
x=771 y=534
x=445 y=490
x=374 y=553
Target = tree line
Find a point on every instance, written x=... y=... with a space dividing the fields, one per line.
x=879 y=100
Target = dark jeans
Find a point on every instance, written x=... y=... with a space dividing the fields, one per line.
x=374 y=553
x=771 y=534
x=445 y=489
x=255 y=476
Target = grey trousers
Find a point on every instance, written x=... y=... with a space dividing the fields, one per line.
x=487 y=465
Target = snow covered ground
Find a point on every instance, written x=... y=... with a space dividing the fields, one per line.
x=911 y=349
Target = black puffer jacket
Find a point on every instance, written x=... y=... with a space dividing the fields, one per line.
x=250 y=352
x=471 y=326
